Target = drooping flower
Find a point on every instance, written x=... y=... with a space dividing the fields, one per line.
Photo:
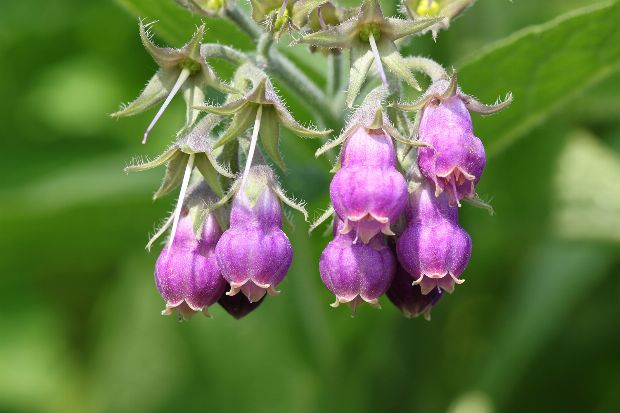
x=433 y=249
x=238 y=305
x=254 y=254
x=186 y=273
x=409 y=298
x=368 y=193
x=355 y=272
x=454 y=157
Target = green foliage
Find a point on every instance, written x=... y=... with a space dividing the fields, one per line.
x=545 y=67
x=533 y=328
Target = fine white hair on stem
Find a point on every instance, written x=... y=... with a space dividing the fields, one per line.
x=248 y=161
x=177 y=210
x=177 y=85
x=375 y=52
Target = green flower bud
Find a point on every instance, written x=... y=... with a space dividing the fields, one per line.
x=210 y=8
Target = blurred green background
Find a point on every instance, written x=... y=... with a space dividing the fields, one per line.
x=534 y=328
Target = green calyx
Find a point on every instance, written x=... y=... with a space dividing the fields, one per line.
x=190 y=64
x=368 y=29
x=254 y=186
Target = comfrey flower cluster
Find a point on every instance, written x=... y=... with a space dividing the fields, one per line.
x=402 y=173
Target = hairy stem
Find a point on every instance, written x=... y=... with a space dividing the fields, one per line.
x=262 y=48
x=428 y=66
x=334 y=73
x=243 y=21
x=224 y=52
x=313 y=97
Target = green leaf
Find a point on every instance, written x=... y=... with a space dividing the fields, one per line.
x=587 y=192
x=554 y=279
x=545 y=67
x=176 y=25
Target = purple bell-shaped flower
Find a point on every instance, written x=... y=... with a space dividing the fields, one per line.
x=356 y=272
x=368 y=193
x=409 y=298
x=433 y=249
x=254 y=254
x=455 y=157
x=186 y=273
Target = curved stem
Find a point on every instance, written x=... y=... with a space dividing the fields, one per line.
x=225 y=52
x=334 y=73
x=262 y=48
x=243 y=21
x=430 y=67
x=313 y=97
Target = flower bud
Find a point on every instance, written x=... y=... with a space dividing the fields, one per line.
x=211 y=8
x=449 y=9
x=186 y=273
x=238 y=305
x=409 y=298
x=355 y=272
x=455 y=158
x=254 y=254
x=433 y=249
x=368 y=193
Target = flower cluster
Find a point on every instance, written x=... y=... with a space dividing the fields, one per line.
x=401 y=175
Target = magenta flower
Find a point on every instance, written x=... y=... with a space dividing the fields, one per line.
x=409 y=298
x=433 y=249
x=455 y=158
x=368 y=193
x=355 y=272
x=254 y=254
x=238 y=305
x=186 y=273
